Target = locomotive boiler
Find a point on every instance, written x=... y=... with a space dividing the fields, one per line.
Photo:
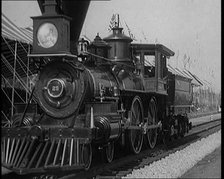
x=108 y=92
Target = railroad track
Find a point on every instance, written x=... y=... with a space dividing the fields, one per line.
x=128 y=162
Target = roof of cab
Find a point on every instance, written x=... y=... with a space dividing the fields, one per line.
x=153 y=47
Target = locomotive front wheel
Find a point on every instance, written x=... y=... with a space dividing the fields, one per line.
x=135 y=136
x=109 y=152
x=87 y=155
x=152 y=120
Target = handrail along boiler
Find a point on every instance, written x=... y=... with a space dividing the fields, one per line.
x=119 y=92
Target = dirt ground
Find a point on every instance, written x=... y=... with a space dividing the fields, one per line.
x=208 y=167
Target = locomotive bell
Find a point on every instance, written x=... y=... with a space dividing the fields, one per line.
x=99 y=47
x=51 y=31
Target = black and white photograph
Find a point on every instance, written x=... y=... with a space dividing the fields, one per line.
x=110 y=89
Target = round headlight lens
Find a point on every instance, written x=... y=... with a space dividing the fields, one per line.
x=55 y=88
x=47 y=35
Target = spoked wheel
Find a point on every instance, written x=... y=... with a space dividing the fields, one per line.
x=87 y=155
x=166 y=138
x=152 y=120
x=109 y=152
x=184 y=127
x=168 y=135
x=12 y=123
x=16 y=120
x=181 y=130
x=135 y=136
x=6 y=122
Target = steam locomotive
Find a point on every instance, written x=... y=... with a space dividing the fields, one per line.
x=105 y=94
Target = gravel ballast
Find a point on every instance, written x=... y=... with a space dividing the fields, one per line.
x=176 y=164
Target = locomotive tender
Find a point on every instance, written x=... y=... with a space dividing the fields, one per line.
x=118 y=93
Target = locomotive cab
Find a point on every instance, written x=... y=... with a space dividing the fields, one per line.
x=152 y=65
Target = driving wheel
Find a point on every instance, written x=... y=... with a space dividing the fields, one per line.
x=135 y=136
x=152 y=120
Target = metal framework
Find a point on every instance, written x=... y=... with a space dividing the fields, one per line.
x=16 y=76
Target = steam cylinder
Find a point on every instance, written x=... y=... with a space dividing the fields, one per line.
x=106 y=130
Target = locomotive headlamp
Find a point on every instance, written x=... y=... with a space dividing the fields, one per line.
x=47 y=35
x=55 y=87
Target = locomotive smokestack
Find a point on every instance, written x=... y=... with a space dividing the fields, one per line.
x=50 y=7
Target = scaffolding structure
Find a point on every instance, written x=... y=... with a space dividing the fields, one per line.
x=17 y=73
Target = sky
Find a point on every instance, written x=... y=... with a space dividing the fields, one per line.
x=191 y=28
